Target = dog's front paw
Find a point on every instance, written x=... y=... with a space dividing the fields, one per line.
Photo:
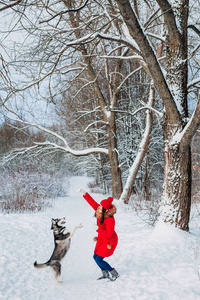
x=80 y=225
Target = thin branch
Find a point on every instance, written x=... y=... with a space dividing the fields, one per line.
x=193 y=27
x=64 y=12
x=126 y=78
x=90 y=37
x=193 y=51
x=162 y=39
x=192 y=126
x=152 y=19
x=10 y=5
x=94 y=123
x=121 y=40
x=138 y=110
x=65 y=148
x=123 y=57
x=193 y=82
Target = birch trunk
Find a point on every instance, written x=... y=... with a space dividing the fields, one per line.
x=125 y=196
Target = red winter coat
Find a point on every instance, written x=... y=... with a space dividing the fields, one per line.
x=106 y=231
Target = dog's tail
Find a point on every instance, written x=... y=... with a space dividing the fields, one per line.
x=36 y=265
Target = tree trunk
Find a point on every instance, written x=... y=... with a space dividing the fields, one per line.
x=109 y=117
x=125 y=196
x=146 y=181
x=113 y=157
x=176 y=197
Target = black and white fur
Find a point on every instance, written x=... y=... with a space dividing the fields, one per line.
x=62 y=241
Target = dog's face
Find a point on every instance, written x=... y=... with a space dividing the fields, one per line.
x=57 y=223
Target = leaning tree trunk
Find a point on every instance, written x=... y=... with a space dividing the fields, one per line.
x=176 y=198
x=125 y=196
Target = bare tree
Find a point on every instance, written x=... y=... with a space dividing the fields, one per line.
x=106 y=105
x=178 y=131
x=102 y=74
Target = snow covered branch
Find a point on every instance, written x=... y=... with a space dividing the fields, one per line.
x=90 y=37
x=50 y=145
x=94 y=123
x=158 y=37
x=170 y=20
x=123 y=57
x=140 y=109
x=184 y=137
x=193 y=83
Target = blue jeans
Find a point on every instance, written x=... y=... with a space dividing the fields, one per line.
x=103 y=265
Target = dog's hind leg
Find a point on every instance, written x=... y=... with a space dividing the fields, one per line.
x=57 y=269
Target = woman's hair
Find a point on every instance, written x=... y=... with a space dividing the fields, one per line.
x=102 y=216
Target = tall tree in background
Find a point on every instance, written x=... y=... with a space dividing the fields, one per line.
x=56 y=61
x=56 y=58
x=178 y=131
x=107 y=104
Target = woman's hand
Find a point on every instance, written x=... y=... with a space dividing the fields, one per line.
x=109 y=246
x=83 y=192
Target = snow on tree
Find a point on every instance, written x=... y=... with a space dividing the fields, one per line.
x=172 y=88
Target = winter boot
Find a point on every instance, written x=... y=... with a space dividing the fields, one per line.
x=105 y=274
x=114 y=275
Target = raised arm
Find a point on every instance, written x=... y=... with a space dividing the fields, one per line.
x=89 y=199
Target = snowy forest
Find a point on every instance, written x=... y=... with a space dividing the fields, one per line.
x=108 y=91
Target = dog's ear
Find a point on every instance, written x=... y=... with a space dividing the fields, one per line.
x=53 y=222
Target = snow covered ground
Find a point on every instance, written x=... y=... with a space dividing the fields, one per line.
x=154 y=263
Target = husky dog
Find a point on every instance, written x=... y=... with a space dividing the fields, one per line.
x=62 y=241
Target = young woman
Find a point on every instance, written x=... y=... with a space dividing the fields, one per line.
x=107 y=239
